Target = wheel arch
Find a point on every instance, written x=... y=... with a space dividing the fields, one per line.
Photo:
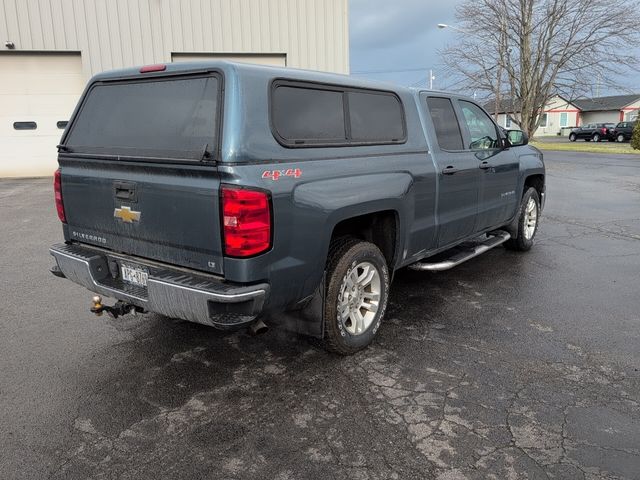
x=536 y=181
x=354 y=204
x=379 y=227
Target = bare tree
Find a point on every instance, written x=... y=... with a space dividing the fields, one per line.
x=523 y=52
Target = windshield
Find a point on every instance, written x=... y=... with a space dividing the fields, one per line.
x=165 y=117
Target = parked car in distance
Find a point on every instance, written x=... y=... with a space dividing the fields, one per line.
x=288 y=197
x=595 y=132
x=623 y=131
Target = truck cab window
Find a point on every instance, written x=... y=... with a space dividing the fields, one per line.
x=445 y=123
x=482 y=130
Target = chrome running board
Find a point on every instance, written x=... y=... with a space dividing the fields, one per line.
x=468 y=252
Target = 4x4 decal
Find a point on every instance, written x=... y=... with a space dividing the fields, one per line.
x=276 y=174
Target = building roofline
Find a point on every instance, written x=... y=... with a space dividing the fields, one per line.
x=625 y=106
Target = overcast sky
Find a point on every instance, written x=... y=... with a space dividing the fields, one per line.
x=390 y=36
x=398 y=40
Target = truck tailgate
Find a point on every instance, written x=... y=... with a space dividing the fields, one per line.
x=161 y=213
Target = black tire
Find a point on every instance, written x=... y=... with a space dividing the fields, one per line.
x=620 y=138
x=572 y=137
x=344 y=255
x=520 y=242
x=596 y=137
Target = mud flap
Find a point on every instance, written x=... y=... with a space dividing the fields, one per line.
x=307 y=318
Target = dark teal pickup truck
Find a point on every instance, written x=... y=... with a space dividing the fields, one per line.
x=239 y=195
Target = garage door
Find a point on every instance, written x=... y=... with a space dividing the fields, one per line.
x=38 y=93
x=275 y=59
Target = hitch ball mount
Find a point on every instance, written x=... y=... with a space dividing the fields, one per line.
x=118 y=309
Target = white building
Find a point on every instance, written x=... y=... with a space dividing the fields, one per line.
x=560 y=115
x=51 y=48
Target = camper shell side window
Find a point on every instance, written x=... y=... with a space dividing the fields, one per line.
x=308 y=114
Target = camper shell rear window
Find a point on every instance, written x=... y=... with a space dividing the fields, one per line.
x=170 y=117
x=307 y=114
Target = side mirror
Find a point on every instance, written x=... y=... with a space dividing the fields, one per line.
x=516 y=138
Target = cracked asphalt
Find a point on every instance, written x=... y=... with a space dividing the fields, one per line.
x=510 y=366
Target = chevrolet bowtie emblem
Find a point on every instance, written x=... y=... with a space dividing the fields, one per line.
x=127 y=215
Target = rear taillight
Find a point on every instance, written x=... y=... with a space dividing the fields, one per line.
x=246 y=220
x=57 y=190
x=604 y=130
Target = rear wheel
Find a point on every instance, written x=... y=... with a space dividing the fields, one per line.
x=596 y=137
x=356 y=295
x=528 y=219
x=572 y=137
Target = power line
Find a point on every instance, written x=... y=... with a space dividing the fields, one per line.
x=389 y=71
x=419 y=82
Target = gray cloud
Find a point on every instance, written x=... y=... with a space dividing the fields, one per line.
x=391 y=36
x=384 y=24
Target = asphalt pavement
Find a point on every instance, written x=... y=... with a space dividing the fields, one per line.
x=509 y=366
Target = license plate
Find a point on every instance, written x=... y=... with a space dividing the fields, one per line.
x=134 y=275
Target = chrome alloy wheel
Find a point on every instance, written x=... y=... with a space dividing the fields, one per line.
x=359 y=298
x=530 y=219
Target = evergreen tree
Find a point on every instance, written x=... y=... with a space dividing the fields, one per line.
x=635 y=138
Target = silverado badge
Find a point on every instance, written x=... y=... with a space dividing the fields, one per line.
x=127 y=215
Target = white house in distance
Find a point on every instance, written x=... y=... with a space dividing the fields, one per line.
x=560 y=114
x=51 y=48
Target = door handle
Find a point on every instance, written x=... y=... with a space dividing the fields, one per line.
x=484 y=165
x=450 y=170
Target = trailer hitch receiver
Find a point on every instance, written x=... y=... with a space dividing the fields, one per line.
x=118 y=309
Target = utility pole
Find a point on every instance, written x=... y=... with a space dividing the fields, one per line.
x=431 y=79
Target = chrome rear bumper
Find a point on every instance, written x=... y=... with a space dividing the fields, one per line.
x=170 y=291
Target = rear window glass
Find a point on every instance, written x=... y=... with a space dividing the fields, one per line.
x=166 y=118
x=375 y=117
x=306 y=115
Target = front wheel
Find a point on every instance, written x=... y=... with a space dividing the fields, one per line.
x=572 y=137
x=356 y=295
x=528 y=219
x=620 y=138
